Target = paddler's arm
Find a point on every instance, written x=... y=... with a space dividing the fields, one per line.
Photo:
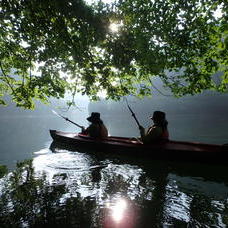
x=83 y=131
x=152 y=135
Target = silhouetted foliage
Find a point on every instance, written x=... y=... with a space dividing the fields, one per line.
x=3 y=170
x=183 y=43
x=27 y=200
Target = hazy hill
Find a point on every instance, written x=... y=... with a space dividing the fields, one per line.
x=208 y=104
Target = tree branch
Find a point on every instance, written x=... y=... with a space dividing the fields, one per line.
x=159 y=91
x=6 y=77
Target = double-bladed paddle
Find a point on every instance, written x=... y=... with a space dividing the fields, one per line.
x=65 y=118
x=133 y=114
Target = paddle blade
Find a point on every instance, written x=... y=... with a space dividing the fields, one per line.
x=56 y=113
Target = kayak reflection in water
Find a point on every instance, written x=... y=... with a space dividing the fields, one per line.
x=96 y=129
x=158 y=132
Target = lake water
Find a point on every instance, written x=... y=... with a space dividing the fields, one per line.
x=121 y=191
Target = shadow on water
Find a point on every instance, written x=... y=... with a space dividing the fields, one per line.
x=195 y=169
x=70 y=188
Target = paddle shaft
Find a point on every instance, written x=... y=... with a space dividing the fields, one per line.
x=74 y=123
x=65 y=118
x=133 y=114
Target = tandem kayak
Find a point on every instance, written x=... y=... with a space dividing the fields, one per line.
x=169 y=150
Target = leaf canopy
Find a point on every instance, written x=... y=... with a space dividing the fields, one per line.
x=48 y=47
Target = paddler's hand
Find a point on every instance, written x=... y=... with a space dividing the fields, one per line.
x=141 y=128
x=83 y=130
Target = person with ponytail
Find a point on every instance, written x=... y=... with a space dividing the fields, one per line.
x=158 y=132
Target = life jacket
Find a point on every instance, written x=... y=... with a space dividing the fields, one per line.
x=103 y=131
x=97 y=130
x=165 y=135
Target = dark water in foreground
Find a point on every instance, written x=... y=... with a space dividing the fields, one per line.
x=131 y=193
x=75 y=189
x=68 y=188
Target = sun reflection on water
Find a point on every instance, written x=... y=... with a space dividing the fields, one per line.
x=118 y=210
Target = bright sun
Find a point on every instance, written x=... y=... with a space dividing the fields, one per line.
x=114 y=27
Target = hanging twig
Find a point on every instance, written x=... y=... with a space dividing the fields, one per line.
x=159 y=91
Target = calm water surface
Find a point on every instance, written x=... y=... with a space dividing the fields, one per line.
x=119 y=191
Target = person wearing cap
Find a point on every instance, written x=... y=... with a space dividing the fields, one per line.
x=96 y=129
x=158 y=132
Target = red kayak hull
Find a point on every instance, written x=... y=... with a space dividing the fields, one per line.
x=170 y=150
